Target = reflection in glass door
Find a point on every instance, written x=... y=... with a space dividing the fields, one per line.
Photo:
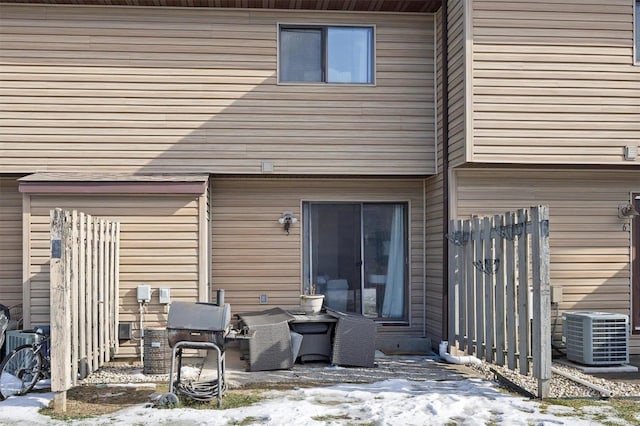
x=356 y=255
x=335 y=254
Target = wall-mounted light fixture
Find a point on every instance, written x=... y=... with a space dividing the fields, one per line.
x=286 y=220
x=627 y=211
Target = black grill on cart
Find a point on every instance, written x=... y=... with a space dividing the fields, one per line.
x=198 y=322
x=198 y=326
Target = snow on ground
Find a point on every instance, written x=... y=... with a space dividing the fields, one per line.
x=389 y=402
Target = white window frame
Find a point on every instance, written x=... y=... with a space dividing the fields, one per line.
x=281 y=25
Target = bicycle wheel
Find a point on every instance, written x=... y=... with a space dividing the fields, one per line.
x=20 y=371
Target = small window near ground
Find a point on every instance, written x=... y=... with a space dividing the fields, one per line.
x=326 y=54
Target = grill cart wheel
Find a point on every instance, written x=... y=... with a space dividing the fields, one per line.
x=167 y=400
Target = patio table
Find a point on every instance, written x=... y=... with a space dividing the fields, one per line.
x=316 y=330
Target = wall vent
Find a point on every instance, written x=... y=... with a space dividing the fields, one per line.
x=125 y=331
x=596 y=338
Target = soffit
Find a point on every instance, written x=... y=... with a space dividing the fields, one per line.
x=402 y=6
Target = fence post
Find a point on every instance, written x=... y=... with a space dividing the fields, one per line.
x=60 y=313
x=74 y=272
x=453 y=283
x=541 y=300
x=82 y=313
x=487 y=264
x=470 y=285
x=510 y=291
x=523 y=293
x=498 y=221
x=112 y=288
x=101 y=293
x=96 y=294
x=479 y=288
x=462 y=288
x=88 y=294
x=108 y=290
x=116 y=274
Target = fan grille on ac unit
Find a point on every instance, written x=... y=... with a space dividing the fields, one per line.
x=596 y=338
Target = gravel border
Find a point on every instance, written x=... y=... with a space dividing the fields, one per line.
x=562 y=387
x=122 y=373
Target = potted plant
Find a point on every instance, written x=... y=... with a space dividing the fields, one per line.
x=311 y=303
x=378 y=278
x=379 y=274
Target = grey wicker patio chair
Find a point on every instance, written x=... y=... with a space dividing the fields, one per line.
x=15 y=317
x=270 y=348
x=354 y=343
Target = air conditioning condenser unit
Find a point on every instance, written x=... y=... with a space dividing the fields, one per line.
x=16 y=338
x=596 y=338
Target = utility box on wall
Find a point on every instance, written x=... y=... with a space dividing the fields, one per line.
x=143 y=293
x=164 y=296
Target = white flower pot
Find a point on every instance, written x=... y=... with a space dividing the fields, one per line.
x=311 y=303
x=377 y=279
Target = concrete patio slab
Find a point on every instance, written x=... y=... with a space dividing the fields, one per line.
x=411 y=367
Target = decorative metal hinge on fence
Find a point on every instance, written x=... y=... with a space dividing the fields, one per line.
x=459 y=238
x=510 y=232
x=488 y=266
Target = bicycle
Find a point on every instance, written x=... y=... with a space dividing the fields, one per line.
x=25 y=366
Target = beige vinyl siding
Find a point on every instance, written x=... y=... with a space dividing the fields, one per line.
x=252 y=255
x=554 y=82
x=159 y=246
x=434 y=224
x=194 y=90
x=590 y=245
x=10 y=242
x=434 y=258
x=457 y=82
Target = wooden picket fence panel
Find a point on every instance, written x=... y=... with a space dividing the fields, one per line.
x=84 y=270
x=499 y=291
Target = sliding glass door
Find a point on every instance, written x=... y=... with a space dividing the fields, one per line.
x=356 y=255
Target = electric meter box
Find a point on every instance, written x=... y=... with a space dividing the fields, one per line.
x=144 y=293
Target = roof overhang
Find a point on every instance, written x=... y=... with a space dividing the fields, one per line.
x=403 y=6
x=113 y=183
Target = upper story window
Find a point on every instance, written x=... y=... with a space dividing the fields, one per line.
x=326 y=54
